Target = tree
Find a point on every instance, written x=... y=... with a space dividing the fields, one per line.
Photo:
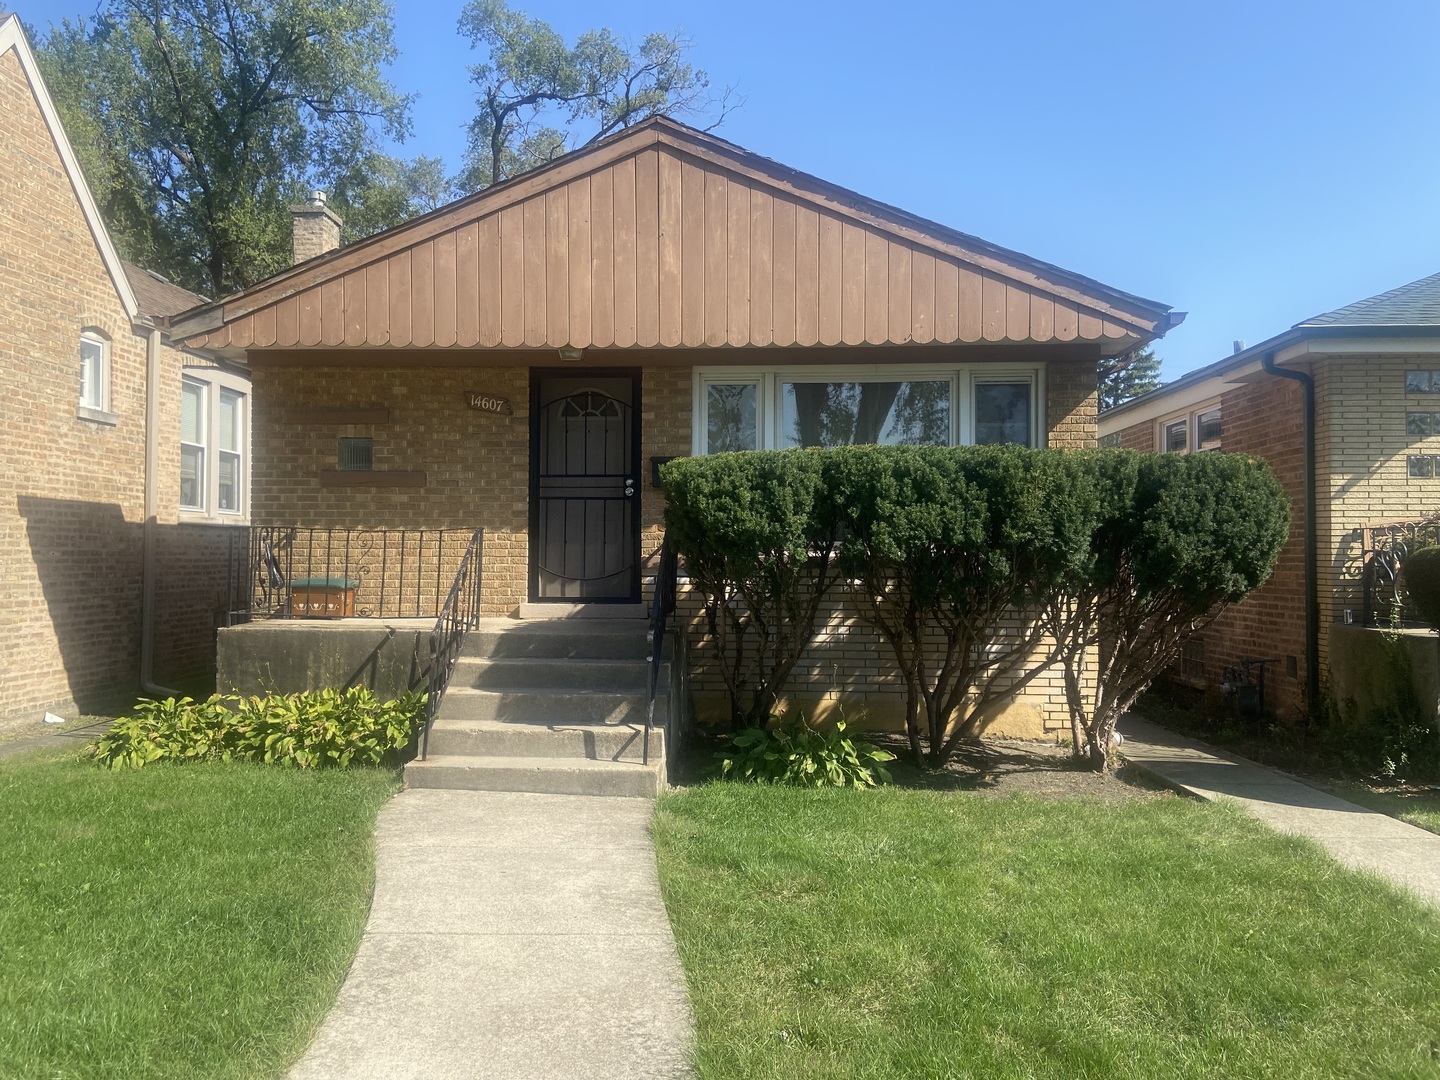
x=1179 y=538
x=199 y=121
x=533 y=89
x=1128 y=376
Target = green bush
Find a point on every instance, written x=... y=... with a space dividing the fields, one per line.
x=794 y=753
x=757 y=545
x=1179 y=537
x=952 y=549
x=1422 y=581
x=309 y=730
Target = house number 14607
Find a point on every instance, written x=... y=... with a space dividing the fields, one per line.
x=490 y=403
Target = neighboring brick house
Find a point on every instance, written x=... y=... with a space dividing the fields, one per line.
x=92 y=400
x=1376 y=436
x=681 y=295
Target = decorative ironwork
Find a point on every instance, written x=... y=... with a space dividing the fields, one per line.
x=289 y=572
x=1384 y=547
x=458 y=616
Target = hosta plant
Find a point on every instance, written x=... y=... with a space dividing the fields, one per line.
x=796 y=754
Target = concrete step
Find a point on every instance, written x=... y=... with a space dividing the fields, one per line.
x=583 y=639
x=498 y=738
x=576 y=612
x=545 y=706
x=626 y=676
x=549 y=776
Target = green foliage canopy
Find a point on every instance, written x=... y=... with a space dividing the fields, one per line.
x=1179 y=538
x=757 y=543
x=198 y=122
x=1129 y=376
x=533 y=90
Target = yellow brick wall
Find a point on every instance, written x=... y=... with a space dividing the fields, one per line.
x=477 y=475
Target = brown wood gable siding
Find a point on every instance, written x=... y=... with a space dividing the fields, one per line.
x=660 y=250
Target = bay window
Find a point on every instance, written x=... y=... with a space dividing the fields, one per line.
x=936 y=405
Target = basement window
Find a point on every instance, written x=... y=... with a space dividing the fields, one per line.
x=356 y=455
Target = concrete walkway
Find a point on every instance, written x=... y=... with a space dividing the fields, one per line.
x=1358 y=838
x=512 y=935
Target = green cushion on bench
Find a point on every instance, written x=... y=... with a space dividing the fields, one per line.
x=325 y=583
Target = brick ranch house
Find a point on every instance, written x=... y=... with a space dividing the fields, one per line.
x=113 y=551
x=520 y=360
x=1372 y=369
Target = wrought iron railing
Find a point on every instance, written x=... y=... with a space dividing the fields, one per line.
x=1384 y=546
x=458 y=616
x=291 y=572
x=662 y=605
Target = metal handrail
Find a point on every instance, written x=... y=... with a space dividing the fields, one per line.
x=662 y=604
x=458 y=616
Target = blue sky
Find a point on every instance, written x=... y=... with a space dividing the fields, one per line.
x=1250 y=163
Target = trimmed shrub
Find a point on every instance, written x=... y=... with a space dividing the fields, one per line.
x=794 y=753
x=952 y=550
x=1422 y=581
x=1179 y=538
x=310 y=730
x=756 y=544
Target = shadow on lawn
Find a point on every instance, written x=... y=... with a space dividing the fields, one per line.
x=985 y=767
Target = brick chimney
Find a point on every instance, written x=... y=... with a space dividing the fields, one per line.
x=316 y=228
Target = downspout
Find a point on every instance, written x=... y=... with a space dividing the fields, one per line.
x=150 y=557
x=1312 y=562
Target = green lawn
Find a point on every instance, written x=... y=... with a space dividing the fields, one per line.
x=177 y=921
x=918 y=934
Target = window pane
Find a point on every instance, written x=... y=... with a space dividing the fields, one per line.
x=192 y=408
x=1417 y=382
x=1113 y=441
x=230 y=420
x=229 y=494
x=1420 y=465
x=851 y=413
x=1175 y=437
x=1419 y=423
x=730 y=417
x=1002 y=413
x=92 y=365
x=356 y=455
x=1207 y=430
x=192 y=477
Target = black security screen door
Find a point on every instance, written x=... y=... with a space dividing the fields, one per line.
x=584 y=488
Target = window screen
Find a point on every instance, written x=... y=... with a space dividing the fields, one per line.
x=356 y=455
x=1002 y=413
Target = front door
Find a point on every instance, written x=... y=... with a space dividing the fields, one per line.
x=584 y=487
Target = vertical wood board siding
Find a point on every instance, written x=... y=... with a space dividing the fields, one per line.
x=658 y=250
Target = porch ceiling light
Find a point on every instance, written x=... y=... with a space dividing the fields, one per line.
x=572 y=353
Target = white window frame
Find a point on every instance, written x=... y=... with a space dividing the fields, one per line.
x=213 y=381
x=1191 y=418
x=963 y=379
x=97 y=406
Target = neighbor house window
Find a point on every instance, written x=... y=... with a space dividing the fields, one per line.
x=1176 y=436
x=1207 y=430
x=192 y=445
x=928 y=405
x=214 y=445
x=94 y=371
x=1196 y=431
x=1422 y=382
